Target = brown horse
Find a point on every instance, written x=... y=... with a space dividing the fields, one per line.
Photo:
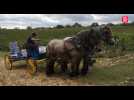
x=73 y=49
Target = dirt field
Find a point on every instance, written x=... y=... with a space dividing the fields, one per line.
x=20 y=77
x=110 y=67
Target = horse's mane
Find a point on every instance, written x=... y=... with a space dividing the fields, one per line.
x=89 y=36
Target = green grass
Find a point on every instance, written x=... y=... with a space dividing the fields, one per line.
x=6 y=36
x=110 y=75
x=126 y=33
x=45 y=35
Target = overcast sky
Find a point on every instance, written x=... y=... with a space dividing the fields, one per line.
x=50 y=20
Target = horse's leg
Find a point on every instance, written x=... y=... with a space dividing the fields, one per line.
x=50 y=67
x=86 y=66
x=72 y=73
x=77 y=66
x=64 y=67
x=74 y=68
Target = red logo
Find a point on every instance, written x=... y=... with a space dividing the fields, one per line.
x=125 y=19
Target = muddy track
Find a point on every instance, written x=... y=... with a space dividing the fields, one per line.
x=20 y=77
x=109 y=62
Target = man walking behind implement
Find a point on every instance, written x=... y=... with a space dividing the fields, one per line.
x=32 y=46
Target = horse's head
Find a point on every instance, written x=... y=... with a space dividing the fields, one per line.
x=107 y=35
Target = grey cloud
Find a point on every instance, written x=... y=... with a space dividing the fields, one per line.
x=47 y=20
x=115 y=17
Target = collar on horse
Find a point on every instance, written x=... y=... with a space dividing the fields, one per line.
x=76 y=41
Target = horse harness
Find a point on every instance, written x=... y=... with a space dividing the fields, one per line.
x=88 y=47
x=75 y=41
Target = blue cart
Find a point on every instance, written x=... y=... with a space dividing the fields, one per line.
x=17 y=54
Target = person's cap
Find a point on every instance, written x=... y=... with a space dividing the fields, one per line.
x=34 y=34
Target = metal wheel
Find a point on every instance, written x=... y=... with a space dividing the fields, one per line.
x=8 y=62
x=32 y=66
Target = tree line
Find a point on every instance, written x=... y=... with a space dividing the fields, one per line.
x=75 y=25
x=78 y=25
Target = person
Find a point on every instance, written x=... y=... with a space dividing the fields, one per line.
x=32 y=46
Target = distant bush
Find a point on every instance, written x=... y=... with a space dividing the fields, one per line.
x=59 y=26
x=110 y=24
x=68 y=26
x=94 y=24
x=29 y=28
x=76 y=25
x=132 y=23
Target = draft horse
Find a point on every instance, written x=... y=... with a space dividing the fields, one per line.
x=73 y=49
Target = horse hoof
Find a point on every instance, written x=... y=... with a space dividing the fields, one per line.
x=92 y=62
x=49 y=73
x=63 y=71
x=90 y=69
x=77 y=74
x=71 y=74
x=83 y=73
